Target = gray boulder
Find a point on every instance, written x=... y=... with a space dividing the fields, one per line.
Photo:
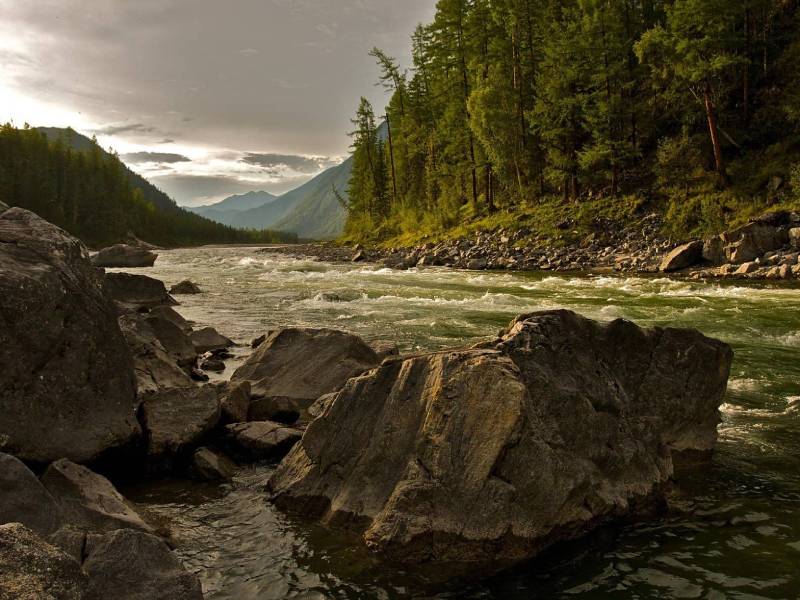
x=176 y=421
x=487 y=456
x=294 y=367
x=134 y=292
x=23 y=498
x=209 y=465
x=154 y=367
x=260 y=440
x=173 y=339
x=67 y=387
x=754 y=240
x=186 y=288
x=122 y=256
x=170 y=314
x=235 y=402
x=683 y=257
x=131 y=565
x=89 y=501
x=209 y=339
x=32 y=569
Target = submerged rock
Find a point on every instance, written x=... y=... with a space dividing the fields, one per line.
x=209 y=339
x=294 y=367
x=89 y=501
x=32 y=569
x=135 y=292
x=132 y=565
x=67 y=387
x=260 y=440
x=186 y=288
x=486 y=456
x=122 y=256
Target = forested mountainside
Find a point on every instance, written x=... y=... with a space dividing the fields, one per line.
x=91 y=194
x=311 y=211
x=517 y=111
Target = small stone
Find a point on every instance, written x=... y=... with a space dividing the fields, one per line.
x=198 y=375
x=747 y=268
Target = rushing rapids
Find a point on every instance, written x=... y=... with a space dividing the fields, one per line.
x=734 y=533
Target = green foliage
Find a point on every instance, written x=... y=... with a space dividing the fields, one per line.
x=92 y=195
x=511 y=103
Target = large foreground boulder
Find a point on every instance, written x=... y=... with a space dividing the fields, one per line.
x=67 y=387
x=32 y=569
x=489 y=455
x=294 y=367
x=122 y=256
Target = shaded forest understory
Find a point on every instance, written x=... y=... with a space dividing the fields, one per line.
x=91 y=194
x=530 y=114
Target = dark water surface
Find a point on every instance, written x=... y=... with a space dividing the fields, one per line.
x=733 y=532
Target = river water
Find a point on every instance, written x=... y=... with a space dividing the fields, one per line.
x=733 y=531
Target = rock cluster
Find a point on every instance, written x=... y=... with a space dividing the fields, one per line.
x=486 y=456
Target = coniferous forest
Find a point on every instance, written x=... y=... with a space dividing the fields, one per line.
x=91 y=194
x=519 y=107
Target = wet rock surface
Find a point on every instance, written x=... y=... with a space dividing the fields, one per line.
x=581 y=425
x=66 y=386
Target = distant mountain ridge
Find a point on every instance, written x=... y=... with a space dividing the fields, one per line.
x=311 y=211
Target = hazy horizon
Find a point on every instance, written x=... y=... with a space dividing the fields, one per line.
x=205 y=101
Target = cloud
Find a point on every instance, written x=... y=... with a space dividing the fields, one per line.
x=276 y=163
x=137 y=158
x=123 y=128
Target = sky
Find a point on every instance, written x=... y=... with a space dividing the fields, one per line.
x=206 y=98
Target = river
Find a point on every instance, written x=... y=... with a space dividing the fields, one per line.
x=734 y=531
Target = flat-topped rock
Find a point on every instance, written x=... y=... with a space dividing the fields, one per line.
x=294 y=367
x=122 y=256
x=260 y=440
x=483 y=457
x=67 y=387
x=211 y=465
x=137 y=291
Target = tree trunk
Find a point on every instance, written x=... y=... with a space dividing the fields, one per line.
x=391 y=158
x=712 y=128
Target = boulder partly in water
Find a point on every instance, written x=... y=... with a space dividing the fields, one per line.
x=123 y=256
x=294 y=367
x=67 y=386
x=137 y=292
x=487 y=456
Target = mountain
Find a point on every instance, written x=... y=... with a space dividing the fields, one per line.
x=316 y=212
x=223 y=211
x=69 y=180
x=76 y=141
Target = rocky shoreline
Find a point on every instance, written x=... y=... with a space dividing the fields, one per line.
x=105 y=382
x=767 y=248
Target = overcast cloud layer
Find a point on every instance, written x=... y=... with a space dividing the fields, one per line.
x=206 y=98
